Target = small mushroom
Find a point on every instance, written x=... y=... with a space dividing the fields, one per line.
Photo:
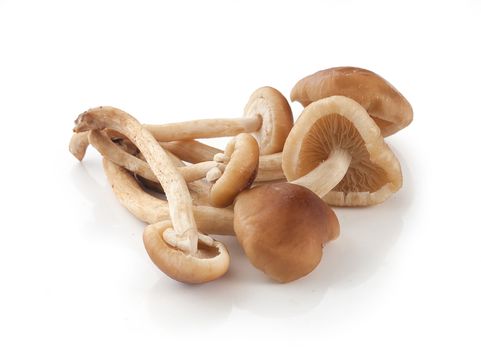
x=183 y=237
x=336 y=150
x=241 y=158
x=386 y=105
x=282 y=228
x=209 y=262
x=236 y=167
x=150 y=209
x=267 y=116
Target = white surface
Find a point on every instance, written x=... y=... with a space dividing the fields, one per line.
x=74 y=274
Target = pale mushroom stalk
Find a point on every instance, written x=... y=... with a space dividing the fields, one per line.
x=150 y=209
x=205 y=128
x=191 y=151
x=327 y=174
x=111 y=151
x=174 y=185
x=317 y=154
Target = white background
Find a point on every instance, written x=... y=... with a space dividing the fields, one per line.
x=73 y=270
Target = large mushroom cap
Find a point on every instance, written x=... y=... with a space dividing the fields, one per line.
x=240 y=172
x=386 y=105
x=209 y=263
x=282 y=228
x=334 y=123
x=276 y=114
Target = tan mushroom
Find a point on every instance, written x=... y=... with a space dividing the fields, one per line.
x=282 y=228
x=267 y=116
x=336 y=150
x=232 y=173
x=150 y=209
x=183 y=236
x=241 y=158
x=209 y=262
x=386 y=105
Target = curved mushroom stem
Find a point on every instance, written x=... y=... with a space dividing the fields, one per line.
x=328 y=174
x=204 y=128
x=150 y=209
x=78 y=145
x=174 y=185
x=112 y=152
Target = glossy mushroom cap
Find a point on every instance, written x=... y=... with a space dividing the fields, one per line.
x=340 y=123
x=386 y=105
x=240 y=172
x=282 y=228
x=276 y=114
x=209 y=263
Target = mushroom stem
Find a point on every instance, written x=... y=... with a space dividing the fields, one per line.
x=151 y=210
x=112 y=152
x=191 y=151
x=327 y=174
x=204 y=128
x=174 y=185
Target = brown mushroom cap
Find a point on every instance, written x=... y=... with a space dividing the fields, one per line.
x=276 y=114
x=239 y=173
x=282 y=228
x=209 y=263
x=334 y=123
x=386 y=105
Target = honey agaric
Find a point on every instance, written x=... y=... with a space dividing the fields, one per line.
x=336 y=150
x=209 y=262
x=384 y=103
x=282 y=228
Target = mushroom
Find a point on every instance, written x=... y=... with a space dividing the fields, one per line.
x=111 y=151
x=336 y=150
x=150 y=209
x=233 y=172
x=183 y=235
x=282 y=228
x=386 y=105
x=211 y=261
x=267 y=116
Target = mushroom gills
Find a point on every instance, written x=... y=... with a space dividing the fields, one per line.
x=334 y=132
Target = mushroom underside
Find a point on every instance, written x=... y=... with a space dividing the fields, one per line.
x=336 y=132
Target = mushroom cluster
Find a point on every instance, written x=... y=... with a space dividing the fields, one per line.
x=272 y=185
